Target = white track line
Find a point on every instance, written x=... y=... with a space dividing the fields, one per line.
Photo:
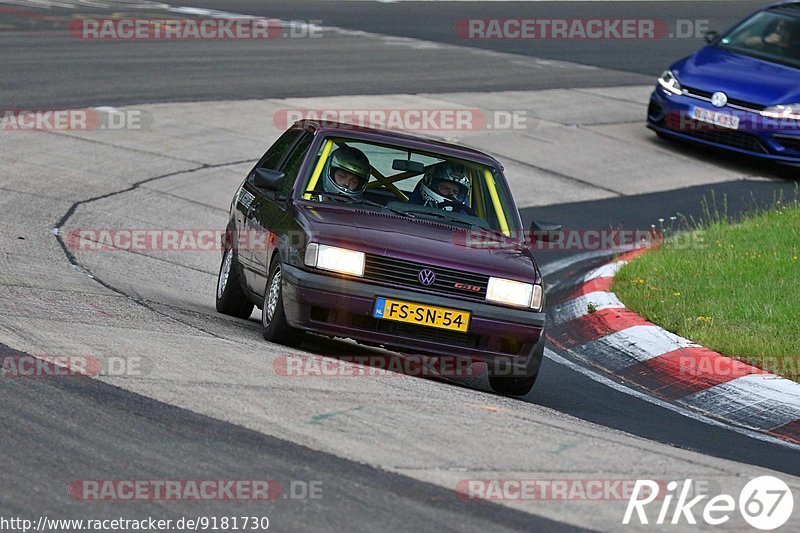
x=607 y=381
x=553 y=356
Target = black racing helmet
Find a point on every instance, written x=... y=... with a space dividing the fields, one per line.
x=456 y=173
x=350 y=160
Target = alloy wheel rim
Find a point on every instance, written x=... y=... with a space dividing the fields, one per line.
x=224 y=273
x=272 y=297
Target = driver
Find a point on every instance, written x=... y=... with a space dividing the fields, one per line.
x=785 y=37
x=445 y=185
x=347 y=173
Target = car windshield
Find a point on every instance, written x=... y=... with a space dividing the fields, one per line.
x=411 y=183
x=772 y=35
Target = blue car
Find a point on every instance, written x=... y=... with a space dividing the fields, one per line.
x=741 y=92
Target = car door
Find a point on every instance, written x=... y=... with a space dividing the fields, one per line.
x=271 y=211
x=248 y=200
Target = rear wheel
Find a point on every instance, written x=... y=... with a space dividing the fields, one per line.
x=231 y=299
x=274 y=326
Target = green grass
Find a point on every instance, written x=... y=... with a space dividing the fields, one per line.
x=736 y=290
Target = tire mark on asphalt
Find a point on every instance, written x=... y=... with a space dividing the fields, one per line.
x=74 y=261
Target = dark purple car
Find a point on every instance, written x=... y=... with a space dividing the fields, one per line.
x=391 y=240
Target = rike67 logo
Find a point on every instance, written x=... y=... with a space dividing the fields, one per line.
x=765 y=503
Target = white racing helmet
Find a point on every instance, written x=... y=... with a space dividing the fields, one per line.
x=350 y=160
x=445 y=171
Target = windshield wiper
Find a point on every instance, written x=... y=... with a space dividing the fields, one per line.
x=352 y=200
x=444 y=215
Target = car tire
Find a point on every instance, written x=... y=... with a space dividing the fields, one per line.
x=231 y=299
x=274 y=326
x=509 y=386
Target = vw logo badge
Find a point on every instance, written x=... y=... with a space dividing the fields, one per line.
x=426 y=276
x=719 y=99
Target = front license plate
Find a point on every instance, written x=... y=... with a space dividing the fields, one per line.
x=723 y=120
x=424 y=315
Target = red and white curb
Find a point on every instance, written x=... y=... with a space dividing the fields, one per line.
x=591 y=323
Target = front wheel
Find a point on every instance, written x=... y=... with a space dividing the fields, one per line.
x=274 y=326
x=512 y=386
x=231 y=299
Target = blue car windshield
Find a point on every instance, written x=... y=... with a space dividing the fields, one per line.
x=772 y=35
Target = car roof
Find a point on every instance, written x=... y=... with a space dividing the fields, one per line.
x=783 y=3
x=393 y=137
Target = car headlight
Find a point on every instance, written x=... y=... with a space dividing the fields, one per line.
x=517 y=293
x=670 y=83
x=335 y=259
x=791 y=111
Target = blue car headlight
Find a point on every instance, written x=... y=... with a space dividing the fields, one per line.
x=669 y=82
x=790 y=111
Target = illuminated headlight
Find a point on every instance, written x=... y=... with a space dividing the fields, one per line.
x=517 y=293
x=670 y=83
x=790 y=111
x=335 y=259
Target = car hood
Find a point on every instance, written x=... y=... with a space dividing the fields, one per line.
x=740 y=77
x=421 y=241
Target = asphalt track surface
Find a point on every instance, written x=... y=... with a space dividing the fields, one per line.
x=51 y=68
x=56 y=431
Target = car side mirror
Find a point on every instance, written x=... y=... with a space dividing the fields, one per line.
x=711 y=36
x=267 y=179
x=544 y=231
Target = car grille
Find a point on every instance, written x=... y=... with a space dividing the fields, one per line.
x=406 y=330
x=701 y=130
x=790 y=143
x=398 y=272
x=467 y=340
x=706 y=95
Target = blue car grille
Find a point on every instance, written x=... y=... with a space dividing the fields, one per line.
x=691 y=91
x=789 y=143
x=732 y=138
x=402 y=273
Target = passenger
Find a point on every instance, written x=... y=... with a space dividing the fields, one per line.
x=445 y=185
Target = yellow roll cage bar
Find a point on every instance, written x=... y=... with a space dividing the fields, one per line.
x=389 y=183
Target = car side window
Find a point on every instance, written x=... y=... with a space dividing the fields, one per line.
x=275 y=154
x=291 y=167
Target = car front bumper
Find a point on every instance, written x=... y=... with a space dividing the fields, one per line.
x=769 y=140
x=508 y=340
